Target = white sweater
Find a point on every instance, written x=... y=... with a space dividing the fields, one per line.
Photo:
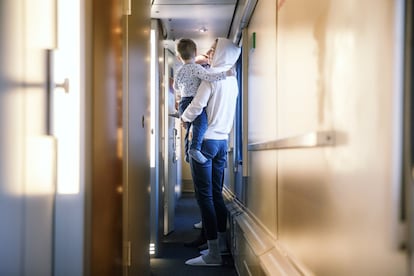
x=220 y=97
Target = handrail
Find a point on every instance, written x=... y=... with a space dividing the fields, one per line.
x=308 y=140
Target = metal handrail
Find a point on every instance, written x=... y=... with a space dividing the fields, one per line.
x=308 y=140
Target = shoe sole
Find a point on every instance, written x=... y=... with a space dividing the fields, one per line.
x=189 y=262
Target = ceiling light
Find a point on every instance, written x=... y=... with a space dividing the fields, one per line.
x=203 y=29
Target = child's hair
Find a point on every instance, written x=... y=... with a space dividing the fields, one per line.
x=186 y=48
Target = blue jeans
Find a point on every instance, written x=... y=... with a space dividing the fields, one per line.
x=208 y=185
x=199 y=126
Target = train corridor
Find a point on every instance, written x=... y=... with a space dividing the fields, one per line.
x=173 y=253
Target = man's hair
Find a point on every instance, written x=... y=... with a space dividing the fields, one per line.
x=186 y=48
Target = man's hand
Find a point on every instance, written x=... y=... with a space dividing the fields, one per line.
x=185 y=125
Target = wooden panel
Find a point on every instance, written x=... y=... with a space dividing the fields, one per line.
x=337 y=69
x=106 y=199
x=137 y=128
x=262 y=115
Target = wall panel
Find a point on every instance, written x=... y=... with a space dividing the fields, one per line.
x=336 y=72
x=262 y=119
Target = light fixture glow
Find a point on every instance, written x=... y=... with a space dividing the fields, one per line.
x=66 y=106
x=152 y=249
x=40 y=161
x=203 y=29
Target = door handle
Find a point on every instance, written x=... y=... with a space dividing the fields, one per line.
x=64 y=85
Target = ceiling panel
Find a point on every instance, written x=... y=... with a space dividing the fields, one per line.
x=206 y=12
x=187 y=20
x=193 y=2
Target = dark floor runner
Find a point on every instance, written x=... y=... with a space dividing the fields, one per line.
x=173 y=255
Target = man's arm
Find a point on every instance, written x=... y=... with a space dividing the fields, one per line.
x=198 y=103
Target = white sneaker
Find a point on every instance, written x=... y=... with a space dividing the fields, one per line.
x=198 y=261
x=198 y=225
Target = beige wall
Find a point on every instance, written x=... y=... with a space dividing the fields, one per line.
x=331 y=67
x=262 y=121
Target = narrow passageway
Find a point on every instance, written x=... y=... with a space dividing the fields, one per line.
x=174 y=253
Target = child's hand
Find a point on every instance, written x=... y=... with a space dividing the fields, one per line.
x=231 y=72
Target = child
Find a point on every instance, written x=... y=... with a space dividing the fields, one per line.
x=186 y=82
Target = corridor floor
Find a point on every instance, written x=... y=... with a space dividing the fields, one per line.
x=173 y=253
